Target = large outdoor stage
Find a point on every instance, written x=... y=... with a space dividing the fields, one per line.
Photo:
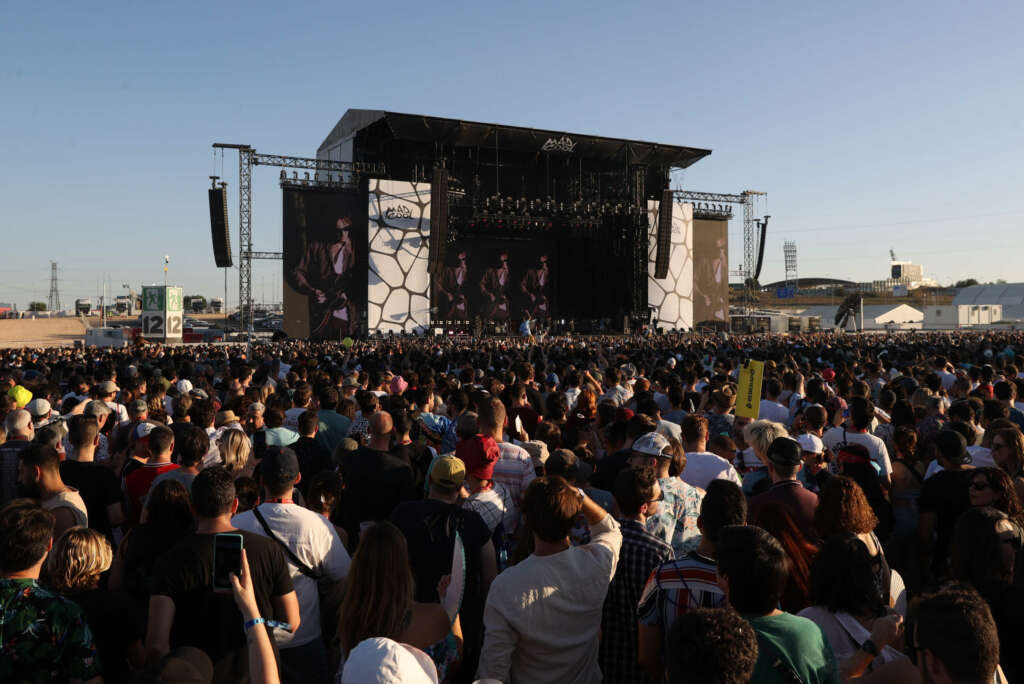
x=477 y=226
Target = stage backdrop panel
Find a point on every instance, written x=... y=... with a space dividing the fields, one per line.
x=324 y=262
x=398 y=287
x=672 y=297
x=711 y=273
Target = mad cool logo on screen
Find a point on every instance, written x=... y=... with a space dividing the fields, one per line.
x=399 y=212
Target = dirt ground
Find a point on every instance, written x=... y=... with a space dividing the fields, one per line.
x=42 y=332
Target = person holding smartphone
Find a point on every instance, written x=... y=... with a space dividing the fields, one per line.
x=191 y=603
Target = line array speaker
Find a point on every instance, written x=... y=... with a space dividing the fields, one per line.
x=664 y=235
x=438 y=221
x=219 y=227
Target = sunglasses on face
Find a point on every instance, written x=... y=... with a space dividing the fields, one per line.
x=997 y=445
x=660 y=497
x=980 y=485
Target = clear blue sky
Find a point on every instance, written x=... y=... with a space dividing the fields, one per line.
x=871 y=125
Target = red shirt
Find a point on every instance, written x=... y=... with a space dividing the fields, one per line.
x=137 y=486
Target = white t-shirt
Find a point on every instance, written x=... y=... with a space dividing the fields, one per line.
x=543 y=615
x=875 y=446
x=703 y=466
x=119 y=410
x=313 y=539
x=774 y=411
x=291 y=417
x=980 y=458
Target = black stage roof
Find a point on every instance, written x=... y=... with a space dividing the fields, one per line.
x=457 y=133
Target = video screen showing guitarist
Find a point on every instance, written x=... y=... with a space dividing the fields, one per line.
x=326 y=274
x=454 y=288
x=535 y=285
x=496 y=287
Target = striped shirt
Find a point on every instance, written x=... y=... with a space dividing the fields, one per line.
x=676 y=587
x=514 y=470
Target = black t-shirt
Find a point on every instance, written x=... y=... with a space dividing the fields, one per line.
x=946 y=494
x=98 y=486
x=115 y=623
x=313 y=459
x=608 y=469
x=429 y=527
x=418 y=457
x=210 y=620
x=375 y=482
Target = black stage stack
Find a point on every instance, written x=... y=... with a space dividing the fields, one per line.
x=664 y=235
x=438 y=221
x=219 y=227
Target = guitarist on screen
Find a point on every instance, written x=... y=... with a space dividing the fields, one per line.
x=454 y=281
x=495 y=285
x=325 y=272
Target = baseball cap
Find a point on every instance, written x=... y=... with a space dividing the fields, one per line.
x=785 y=451
x=199 y=394
x=952 y=446
x=398 y=384
x=351 y=381
x=448 y=472
x=828 y=374
x=184 y=386
x=811 y=443
x=537 y=449
x=479 y=453
x=137 y=406
x=97 y=408
x=565 y=463
x=279 y=464
x=108 y=387
x=552 y=379
x=652 y=444
x=380 y=660
x=143 y=429
x=39 y=408
x=20 y=395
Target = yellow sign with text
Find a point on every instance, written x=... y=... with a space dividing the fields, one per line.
x=748 y=395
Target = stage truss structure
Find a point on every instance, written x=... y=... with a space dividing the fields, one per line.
x=349 y=175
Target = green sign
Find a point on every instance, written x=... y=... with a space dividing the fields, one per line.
x=153 y=298
x=175 y=302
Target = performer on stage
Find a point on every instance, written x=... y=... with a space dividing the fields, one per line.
x=452 y=286
x=525 y=330
x=535 y=286
x=325 y=273
x=495 y=286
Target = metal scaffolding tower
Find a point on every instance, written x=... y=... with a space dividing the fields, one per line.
x=349 y=174
x=54 y=300
x=750 y=229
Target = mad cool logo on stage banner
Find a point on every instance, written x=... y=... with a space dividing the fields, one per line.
x=399 y=212
x=563 y=144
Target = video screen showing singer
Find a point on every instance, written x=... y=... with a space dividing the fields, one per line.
x=326 y=275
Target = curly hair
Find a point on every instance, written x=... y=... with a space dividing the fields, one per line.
x=842 y=507
x=77 y=560
x=711 y=645
x=843 y=579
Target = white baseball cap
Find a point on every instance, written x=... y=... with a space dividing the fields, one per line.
x=383 y=661
x=184 y=386
x=652 y=444
x=811 y=443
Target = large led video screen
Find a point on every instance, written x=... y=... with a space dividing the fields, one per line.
x=497 y=279
x=325 y=262
x=711 y=273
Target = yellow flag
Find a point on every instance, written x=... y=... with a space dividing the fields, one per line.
x=748 y=396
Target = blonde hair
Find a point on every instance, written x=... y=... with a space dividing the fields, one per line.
x=761 y=433
x=235 y=450
x=77 y=560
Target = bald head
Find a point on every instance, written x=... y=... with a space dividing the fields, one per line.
x=381 y=424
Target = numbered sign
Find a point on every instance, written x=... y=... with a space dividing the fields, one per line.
x=162 y=314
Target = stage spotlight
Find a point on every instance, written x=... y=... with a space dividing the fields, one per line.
x=284 y=175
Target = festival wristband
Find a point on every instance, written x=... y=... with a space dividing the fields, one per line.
x=270 y=623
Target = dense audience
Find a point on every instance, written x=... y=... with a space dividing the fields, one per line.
x=582 y=509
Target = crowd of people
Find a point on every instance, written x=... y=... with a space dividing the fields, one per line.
x=578 y=510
